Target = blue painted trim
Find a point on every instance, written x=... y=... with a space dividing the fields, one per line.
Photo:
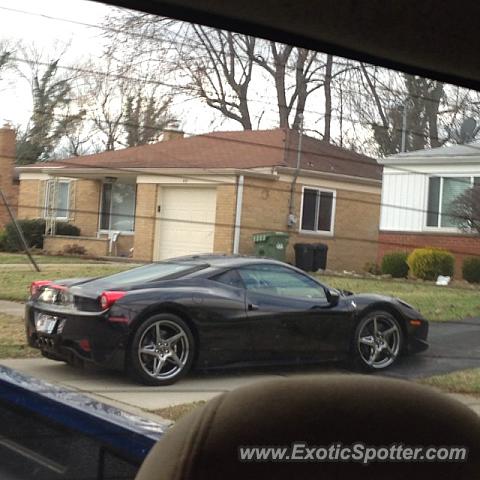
x=128 y=434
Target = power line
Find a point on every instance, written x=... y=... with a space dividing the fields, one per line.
x=189 y=89
x=199 y=44
x=286 y=148
x=253 y=228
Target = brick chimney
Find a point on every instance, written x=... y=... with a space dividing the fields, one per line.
x=172 y=132
x=7 y=165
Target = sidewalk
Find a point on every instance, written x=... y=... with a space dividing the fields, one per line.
x=12 y=308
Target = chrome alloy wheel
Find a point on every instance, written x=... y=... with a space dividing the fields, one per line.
x=163 y=349
x=379 y=341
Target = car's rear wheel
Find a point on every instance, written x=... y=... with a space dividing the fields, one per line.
x=161 y=350
x=378 y=341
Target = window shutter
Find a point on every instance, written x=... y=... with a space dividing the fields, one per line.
x=71 y=201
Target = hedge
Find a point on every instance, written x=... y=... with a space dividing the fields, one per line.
x=33 y=231
x=395 y=264
x=428 y=263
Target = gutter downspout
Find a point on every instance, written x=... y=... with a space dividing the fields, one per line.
x=292 y=220
x=238 y=215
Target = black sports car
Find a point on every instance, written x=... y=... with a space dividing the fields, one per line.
x=160 y=320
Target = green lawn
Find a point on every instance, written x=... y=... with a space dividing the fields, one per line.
x=7 y=258
x=12 y=338
x=463 y=381
x=14 y=285
x=435 y=303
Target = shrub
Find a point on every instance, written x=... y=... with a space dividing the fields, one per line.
x=64 y=228
x=471 y=269
x=373 y=268
x=428 y=263
x=395 y=264
x=33 y=231
x=74 y=249
x=3 y=237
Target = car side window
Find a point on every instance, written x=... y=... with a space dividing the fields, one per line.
x=277 y=280
x=230 y=277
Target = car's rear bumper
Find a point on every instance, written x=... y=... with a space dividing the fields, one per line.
x=91 y=338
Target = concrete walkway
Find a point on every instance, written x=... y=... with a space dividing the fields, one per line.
x=116 y=389
x=12 y=308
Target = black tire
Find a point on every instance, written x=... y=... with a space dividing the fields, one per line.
x=172 y=358
x=377 y=351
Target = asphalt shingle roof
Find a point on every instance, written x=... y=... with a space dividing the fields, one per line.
x=238 y=149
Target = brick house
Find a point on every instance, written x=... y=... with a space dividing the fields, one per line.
x=418 y=188
x=8 y=178
x=211 y=193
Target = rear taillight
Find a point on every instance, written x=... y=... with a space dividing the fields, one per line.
x=108 y=298
x=36 y=286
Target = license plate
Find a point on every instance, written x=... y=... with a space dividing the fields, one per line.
x=45 y=323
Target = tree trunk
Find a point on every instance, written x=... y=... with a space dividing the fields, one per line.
x=328 y=98
x=432 y=107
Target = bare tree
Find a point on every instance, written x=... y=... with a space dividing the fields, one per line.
x=294 y=70
x=5 y=56
x=328 y=98
x=145 y=118
x=220 y=67
x=465 y=209
x=109 y=89
x=396 y=106
x=51 y=117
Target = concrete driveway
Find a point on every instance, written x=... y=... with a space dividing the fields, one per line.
x=454 y=346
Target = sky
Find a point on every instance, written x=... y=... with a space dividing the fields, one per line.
x=26 y=21
x=50 y=26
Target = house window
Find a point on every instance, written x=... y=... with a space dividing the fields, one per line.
x=317 y=210
x=57 y=199
x=442 y=191
x=117 y=211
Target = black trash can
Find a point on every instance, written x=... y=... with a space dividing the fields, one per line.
x=304 y=253
x=320 y=256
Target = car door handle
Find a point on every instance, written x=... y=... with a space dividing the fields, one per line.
x=252 y=306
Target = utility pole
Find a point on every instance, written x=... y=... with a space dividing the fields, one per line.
x=404 y=127
x=408 y=103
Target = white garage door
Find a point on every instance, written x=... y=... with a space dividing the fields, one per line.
x=187 y=221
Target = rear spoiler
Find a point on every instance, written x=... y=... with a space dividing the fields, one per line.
x=48 y=433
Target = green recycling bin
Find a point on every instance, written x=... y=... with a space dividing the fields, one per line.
x=271 y=245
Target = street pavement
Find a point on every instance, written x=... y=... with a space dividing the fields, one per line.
x=453 y=346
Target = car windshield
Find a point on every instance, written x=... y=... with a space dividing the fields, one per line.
x=269 y=180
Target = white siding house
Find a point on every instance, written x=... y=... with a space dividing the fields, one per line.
x=417 y=191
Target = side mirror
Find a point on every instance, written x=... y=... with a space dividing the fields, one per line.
x=333 y=296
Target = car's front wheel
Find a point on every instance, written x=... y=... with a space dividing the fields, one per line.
x=378 y=341
x=161 y=351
